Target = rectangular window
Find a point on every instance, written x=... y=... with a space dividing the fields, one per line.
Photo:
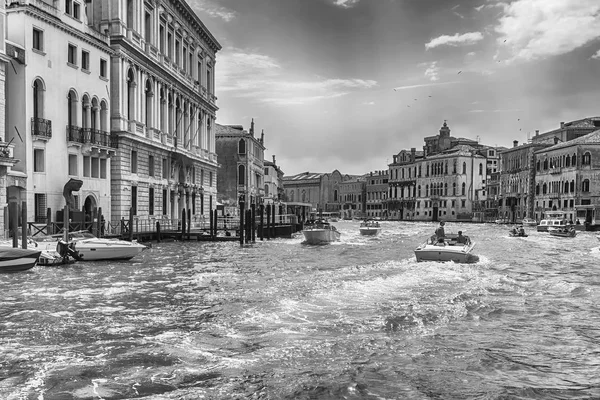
x=200 y=72
x=103 y=168
x=85 y=60
x=266 y=171
x=184 y=58
x=86 y=166
x=177 y=52
x=76 y=10
x=161 y=39
x=170 y=46
x=164 y=169
x=95 y=167
x=147 y=26
x=151 y=166
x=68 y=6
x=210 y=179
x=38 y=39
x=134 y=165
x=164 y=202
x=103 y=69
x=72 y=54
x=151 y=202
x=463 y=203
x=73 y=164
x=134 y=199
x=40 y=207
x=38 y=160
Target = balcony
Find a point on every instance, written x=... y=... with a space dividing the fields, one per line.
x=90 y=136
x=41 y=128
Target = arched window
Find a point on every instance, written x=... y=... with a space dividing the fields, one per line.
x=419 y=190
x=292 y=196
x=426 y=190
x=537 y=165
x=585 y=185
x=85 y=112
x=537 y=189
x=464 y=188
x=545 y=188
x=38 y=99
x=242 y=146
x=567 y=161
x=104 y=116
x=454 y=189
x=72 y=108
x=545 y=164
x=130 y=95
x=304 y=196
x=566 y=187
x=445 y=189
x=574 y=160
x=335 y=195
x=480 y=169
x=241 y=175
x=266 y=190
x=427 y=173
x=464 y=168
x=572 y=186
x=94 y=116
x=419 y=172
x=454 y=167
x=446 y=168
x=587 y=158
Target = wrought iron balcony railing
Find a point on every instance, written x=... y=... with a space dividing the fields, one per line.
x=88 y=135
x=41 y=127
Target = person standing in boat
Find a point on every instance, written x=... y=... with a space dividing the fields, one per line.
x=439 y=232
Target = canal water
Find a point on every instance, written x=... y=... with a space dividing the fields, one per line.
x=278 y=319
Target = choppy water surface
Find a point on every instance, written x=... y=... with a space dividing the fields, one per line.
x=278 y=319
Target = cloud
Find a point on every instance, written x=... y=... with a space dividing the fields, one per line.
x=345 y=3
x=495 y=111
x=597 y=55
x=432 y=72
x=455 y=40
x=369 y=103
x=246 y=74
x=423 y=85
x=537 y=29
x=213 y=10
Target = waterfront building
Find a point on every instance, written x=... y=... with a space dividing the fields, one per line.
x=567 y=131
x=322 y=190
x=241 y=175
x=162 y=71
x=516 y=196
x=353 y=193
x=6 y=149
x=566 y=179
x=377 y=188
x=403 y=185
x=59 y=107
x=486 y=208
x=273 y=182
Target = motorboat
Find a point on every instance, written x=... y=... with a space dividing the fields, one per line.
x=51 y=252
x=447 y=249
x=529 y=222
x=554 y=219
x=369 y=228
x=517 y=232
x=320 y=232
x=14 y=259
x=567 y=231
x=91 y=248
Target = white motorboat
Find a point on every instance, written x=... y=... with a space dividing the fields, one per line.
x=369 y=228
x=567 y=231
x=528 y=222
x=320 y=232
x=91 y=248
x=555 y=219
x=447 y=250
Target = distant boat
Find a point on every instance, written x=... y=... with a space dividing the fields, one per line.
x=563 y=231
x=369 y=228
x=529 y=222
x=554 y=219
x=16 y=259
x=320 y=232
x=90 y=248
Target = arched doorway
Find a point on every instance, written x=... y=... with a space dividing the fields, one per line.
x=89 y=206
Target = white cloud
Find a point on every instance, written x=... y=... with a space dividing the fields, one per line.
x=455 y=40
x=423 y=85
x=432 y=72
x=213 y=10
x=536 y=29
x=252 y=75
x=597 y=55
x=369 y=103
x=345 y=3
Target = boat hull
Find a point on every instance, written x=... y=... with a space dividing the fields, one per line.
x=458 y=254
x=557 y=233
x=369 y=231
x=15 y=259
x=320 y=236
x=102 y=249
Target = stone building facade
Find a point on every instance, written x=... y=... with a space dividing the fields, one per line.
x=568 y=179
x=402 y=178
x=322 y=190
x=242 y=171
x=377 y=188
x=273 y=182
x=162 y=70
x=353 y=194
x=59 y=107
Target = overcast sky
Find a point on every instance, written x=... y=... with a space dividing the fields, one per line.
x=345 y=84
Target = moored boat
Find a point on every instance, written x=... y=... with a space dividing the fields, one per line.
x=529 y=222
x=369 y=228
x=14 y=259
x=555 y=219
x=568 y=231
x=91 y=248
x=320 y=232
x=447 y=250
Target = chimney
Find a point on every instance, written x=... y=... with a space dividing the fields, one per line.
x=262 y=137
x=274 y=159
x=562 y=125
x=252 y=127
x=515 y=143
x=537 y=132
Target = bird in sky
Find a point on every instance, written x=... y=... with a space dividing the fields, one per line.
x=429 y=96
x=504 y=40
x=415 y=99
x=395 y=90
x=518 y=119
x=459 y=72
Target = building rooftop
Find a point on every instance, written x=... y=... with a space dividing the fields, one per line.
x=590 y=138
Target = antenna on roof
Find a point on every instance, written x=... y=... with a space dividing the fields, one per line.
x=477 y=137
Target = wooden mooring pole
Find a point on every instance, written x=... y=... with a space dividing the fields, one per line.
x=242 y=206
x=182 y=236
x=158 y=231
x=253 y=226
x=24 y=225
x=261 y=211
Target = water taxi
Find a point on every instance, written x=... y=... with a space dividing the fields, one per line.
x=447 y=249
x=320 y=232
x=554 y=219
x=369 y=228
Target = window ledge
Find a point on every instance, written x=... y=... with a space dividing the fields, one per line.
x=72 y=65
x=87 y=71
x=38 y=51
x=103 y=78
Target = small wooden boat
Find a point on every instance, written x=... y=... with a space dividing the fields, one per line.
x=512 y=234
x=320 y=232
x=447 y=250
x=369 y=228
x=563 y=232
x=14 y=259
